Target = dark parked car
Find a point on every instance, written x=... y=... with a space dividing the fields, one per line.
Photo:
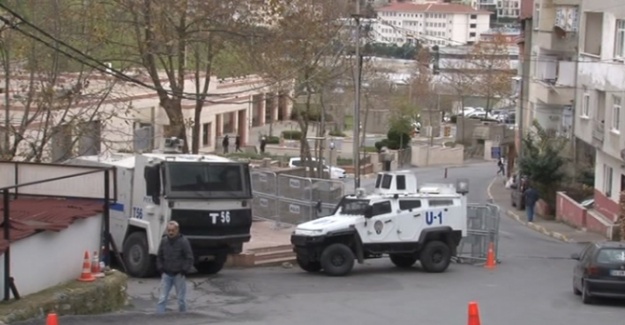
x=600 y=271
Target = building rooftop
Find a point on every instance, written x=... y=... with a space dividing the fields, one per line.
x=445 y=8
x=33 y=215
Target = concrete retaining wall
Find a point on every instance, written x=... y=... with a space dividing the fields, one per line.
x=73 y=298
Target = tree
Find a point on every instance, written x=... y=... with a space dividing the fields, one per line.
x=491 y=60
x=299 y=51
x=543 y=163
x=54 y=105
x=172 y=39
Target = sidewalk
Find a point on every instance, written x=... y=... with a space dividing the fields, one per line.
x=558 y=230
x=267 y=234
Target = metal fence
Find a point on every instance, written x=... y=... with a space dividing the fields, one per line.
x=293 y=199
x=482 y=229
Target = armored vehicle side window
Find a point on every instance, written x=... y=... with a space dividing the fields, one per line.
x=382 y=208
x=386 y=181
x=409 y=204
x=401 y=182
x=378 y=181
x=440 y=203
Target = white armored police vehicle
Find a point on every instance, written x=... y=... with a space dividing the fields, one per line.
x=409 y=224
x=208 y=195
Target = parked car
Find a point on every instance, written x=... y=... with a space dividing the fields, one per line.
x=600 y=271
x=334 y=171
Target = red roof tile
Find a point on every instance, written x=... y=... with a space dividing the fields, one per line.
x=32 y=215
x=445 y=8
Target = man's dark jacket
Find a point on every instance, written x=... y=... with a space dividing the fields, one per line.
x=174 y=256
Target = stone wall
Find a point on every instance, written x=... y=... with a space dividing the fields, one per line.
x=105 y=295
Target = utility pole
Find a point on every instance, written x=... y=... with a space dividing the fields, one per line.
x=357 y=100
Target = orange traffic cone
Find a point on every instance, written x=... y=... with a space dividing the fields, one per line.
x=86 y=275
x=52 y=319
x=474 y=313
x=490 y=257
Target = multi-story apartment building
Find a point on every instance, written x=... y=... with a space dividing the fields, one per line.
x=552 y=66
x=600 y=100
x=443 y=24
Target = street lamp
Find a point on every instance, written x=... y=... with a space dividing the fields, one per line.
x=330 y=164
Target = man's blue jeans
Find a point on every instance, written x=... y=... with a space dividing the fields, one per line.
x=167 y=282
x=529 y=209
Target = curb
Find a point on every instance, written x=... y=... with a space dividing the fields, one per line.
x=539 y=228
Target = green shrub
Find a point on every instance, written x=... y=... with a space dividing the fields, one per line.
x=292 y=135
x=335 y=133
x=273 y=139
x=382 y=143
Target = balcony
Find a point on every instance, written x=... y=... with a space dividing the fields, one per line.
x=560 y=25
x=566 y=2
x=598 y=134
x=554 y=81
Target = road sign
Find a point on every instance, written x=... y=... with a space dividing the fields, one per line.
x=495 y=152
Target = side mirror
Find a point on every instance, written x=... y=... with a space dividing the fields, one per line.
x=369 y=212
x=575 y=257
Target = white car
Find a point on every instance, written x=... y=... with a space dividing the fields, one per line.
x=335 y=172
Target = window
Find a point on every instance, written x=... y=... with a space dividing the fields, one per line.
x=536 y=17
x=439 y=203
x=206 y=134
x=607 y=180
x=586 y=105
x=473 y=26
x=616 y=114
x=472 y=34
x=473 y=16
x=382 y=208
x=619 y=39
x=409 y=204
x=593 y=31
x=401 y=182
x=611 y=256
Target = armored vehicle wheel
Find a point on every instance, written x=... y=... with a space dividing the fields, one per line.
x=137 y=257
x=404 y=260
x=211 y=267
x=435 y=257
x=308 y=266
x=337 y=260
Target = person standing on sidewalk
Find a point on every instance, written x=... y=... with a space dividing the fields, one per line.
x=531 y=197
x=174 y=260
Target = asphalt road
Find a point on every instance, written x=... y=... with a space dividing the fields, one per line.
x=532 y=285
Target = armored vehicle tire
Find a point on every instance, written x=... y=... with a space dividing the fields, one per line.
x=308 y=266
x=435 y=256
x=404 y=260
x=337 y=260
x=137 y=257
x=211 y=267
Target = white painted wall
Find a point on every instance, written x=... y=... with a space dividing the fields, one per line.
x=601 y=161
x=50 y=258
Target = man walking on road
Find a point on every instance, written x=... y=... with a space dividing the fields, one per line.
x=531 y=197
x=174 y=261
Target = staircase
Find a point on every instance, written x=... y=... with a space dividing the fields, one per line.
x=265 y=256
